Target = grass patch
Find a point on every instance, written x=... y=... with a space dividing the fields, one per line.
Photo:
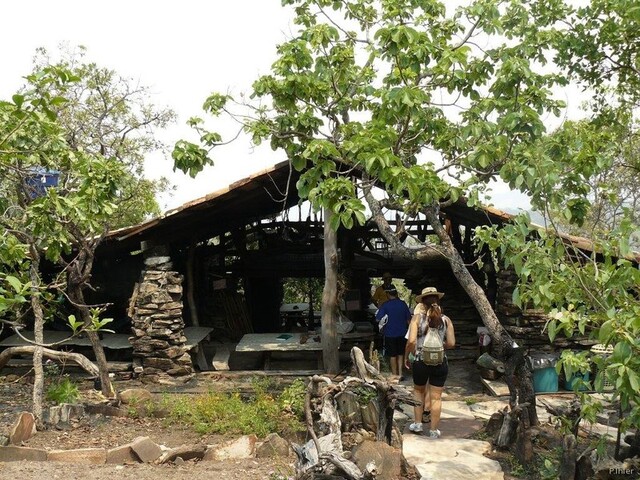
x=260 y=413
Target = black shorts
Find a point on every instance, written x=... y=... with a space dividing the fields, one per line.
x=436 y=375
x=394 y=346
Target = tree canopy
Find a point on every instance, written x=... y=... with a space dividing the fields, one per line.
x=432 y=103
x=62 y=222
x=107 y=114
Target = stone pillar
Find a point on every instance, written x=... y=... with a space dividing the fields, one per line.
x=158 y=327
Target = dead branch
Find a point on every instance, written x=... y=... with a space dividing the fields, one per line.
x=77 y=358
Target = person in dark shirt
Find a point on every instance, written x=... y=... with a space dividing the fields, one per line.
x=395 y=328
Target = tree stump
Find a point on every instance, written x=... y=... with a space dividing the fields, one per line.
x=332 y=409
x=567 y=469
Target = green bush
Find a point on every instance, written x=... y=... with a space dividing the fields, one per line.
x=292 y=398
x=262 y=413
x=63 y=391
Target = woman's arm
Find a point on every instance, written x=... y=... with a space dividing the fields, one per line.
x=450 y=337
x=410 y=347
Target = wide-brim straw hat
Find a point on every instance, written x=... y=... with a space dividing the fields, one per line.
x=429 y=292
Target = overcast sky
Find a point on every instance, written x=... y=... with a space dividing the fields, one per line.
x=183 y=49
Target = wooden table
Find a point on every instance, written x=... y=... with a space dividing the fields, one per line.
x=281 y=342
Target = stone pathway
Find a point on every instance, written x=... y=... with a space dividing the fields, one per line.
x=453 y=455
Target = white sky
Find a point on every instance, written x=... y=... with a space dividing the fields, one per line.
x=184 y=50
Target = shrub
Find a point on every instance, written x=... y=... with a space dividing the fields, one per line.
x=261 y=413
x=63 y=391
x=292 y=398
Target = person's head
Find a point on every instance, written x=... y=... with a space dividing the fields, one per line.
x=391 y=291
x=386 y=278
x=430 y=298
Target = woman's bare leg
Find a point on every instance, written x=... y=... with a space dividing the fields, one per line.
x=435 y=394
x=418 y=394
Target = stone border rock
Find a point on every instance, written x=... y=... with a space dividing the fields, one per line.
x=144 y=450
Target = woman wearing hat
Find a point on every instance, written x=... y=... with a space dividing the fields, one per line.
x=428 y=315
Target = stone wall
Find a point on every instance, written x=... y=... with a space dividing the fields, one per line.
x=527 y=326
x=158 y=327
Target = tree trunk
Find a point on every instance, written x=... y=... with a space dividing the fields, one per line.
x=77 y=297
x=78 y=358
x=521 y=386
x=501 y=338
x=504 y=346
x=330 y=340
x=519 y=378
x=567 y=468
x=38 y=334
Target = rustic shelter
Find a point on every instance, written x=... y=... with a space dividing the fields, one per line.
x=218 y=263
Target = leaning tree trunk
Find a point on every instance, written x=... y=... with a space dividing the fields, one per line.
x=79 y=273
x=518 y=375
x=330 y=340
x=38 y=334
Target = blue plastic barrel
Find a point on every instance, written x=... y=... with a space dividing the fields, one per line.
x=545 y=377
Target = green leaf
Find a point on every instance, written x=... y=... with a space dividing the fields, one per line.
x=74 y=323
x=18 y=100
x=15 y=283
x=633 y=380
x=605 y=331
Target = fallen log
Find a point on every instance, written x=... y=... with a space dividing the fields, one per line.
x=77 y=358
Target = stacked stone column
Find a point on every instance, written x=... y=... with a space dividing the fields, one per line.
x=158 y=327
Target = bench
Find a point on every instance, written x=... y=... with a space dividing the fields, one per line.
x=113 y=341
x=195 y=336
x=221 y=358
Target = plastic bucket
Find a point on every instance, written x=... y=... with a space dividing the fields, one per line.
x=545 y=380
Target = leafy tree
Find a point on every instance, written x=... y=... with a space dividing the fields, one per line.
x=401 y=93
x=610 y=193
x=586 y=182
x=113 y=116
x=62 y=225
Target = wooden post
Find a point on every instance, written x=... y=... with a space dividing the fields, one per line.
x=193 y=309
x=330 y=340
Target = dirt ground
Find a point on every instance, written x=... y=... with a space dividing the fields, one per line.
x=108 y=432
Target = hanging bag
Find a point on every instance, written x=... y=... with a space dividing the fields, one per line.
x=432 y=348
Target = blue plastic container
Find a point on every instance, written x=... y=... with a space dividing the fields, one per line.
x=545 y=380
x=39 y=180
x=570 y=383
x=545 y=377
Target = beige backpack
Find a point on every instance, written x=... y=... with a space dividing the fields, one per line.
x=433 y=347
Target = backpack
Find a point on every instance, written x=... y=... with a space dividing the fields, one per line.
x=432 y=348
